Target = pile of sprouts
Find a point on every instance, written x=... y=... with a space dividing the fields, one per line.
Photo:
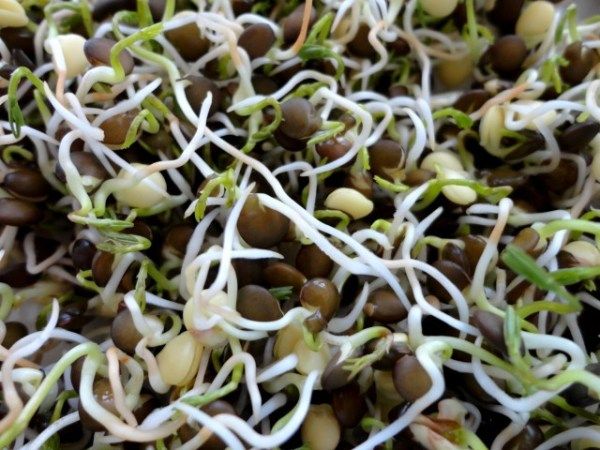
x=313 y=225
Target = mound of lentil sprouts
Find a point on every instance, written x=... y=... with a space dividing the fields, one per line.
x=325 y=225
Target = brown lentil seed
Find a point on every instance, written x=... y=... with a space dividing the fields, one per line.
x=384 y=306
x=241 y=6
x=116 y=127
x=87 y=165
x=508 y=54
x=291 y=144
x=580 y=61
x=139 y=228
x=577 y=136
x=264 y=85
x=399 y=46
x=104 y=396
x=349 y=405
x=188 y=41
x=260 y=226
x=527 y=240
x=333 y=149
x=528 y=439
x=321 y=294
x=257 y=303
x=315 y=323
x=562 y=178
x=360 y=45
x=300 y=118
x=410 y=379
x=293 y=23
x=97 y=51
x=72 y=316
x=457 y=255
x=491 y=327
x=18 y=38
x=474 y=246
x=505 y=13
x=27 y=184
x=360 y=181
x=417 y=177
x=386 y=158
x=249 y=271
x=533 y=142
x=198 y=89
x=334 y=375
x=257 y=40
x=454 y=273
x=14 y=332
x=313 y=262
x=76 y=372
x=105 y=8
x=280 y=274
x=472 y=100
x=123 y=332
x=157 y=9
x=17 y=276
x=102 y=267
x=19 y=213
x=178 y=237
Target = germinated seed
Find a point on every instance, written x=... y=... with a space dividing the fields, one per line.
x=178 y=360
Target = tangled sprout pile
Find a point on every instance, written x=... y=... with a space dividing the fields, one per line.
x=323 y=225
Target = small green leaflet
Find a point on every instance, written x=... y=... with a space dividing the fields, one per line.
x=523 y=264
x=461 y=119
x=281 y=292
x=315 y=51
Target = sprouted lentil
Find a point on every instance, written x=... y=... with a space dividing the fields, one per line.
x=299 y=225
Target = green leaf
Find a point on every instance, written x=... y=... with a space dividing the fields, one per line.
x=15 y=115
x=205 y=399
x=512 y=333
x=575 y=275
x=389 y=186
x=320 y=30
x=140 y=286
x=60 y=402
x=355 y=365
x=462 y=120
x=267 y=131
x=315 y=51
x=581 y=225
x=152 y=126
x=145 y=34
x=84 y=277
x=550 y=73
x=369 y=424
x=344 y=219
x=281 y=292
x=312 y=340
x=491 y=194
x=104 y=224
x=523 y=264
x=118 y=243
x=328 y=130
x=226 y=180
